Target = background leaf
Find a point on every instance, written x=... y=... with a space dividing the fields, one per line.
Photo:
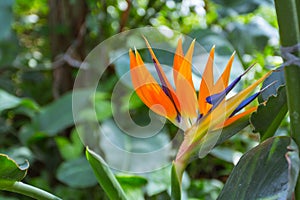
x=255 y=34
x=234 y=7
x=58 y=115
x=76 y=173
x=8 y=101
x=70 y=149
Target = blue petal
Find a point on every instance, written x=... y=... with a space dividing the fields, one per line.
x=199 y=117
x=216 y=99
x=250 y=99
x=245 y=103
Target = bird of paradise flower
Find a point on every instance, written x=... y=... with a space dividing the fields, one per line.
x=196 y=116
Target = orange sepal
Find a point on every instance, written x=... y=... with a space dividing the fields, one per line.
x=163 y=76
x=178 y=58
x=207 y=84
x=185 y=90
x=148 y=89
x=222 y=82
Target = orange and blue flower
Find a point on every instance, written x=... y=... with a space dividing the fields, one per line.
x=181 y=104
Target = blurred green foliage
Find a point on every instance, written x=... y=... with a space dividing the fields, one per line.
x=36 y=121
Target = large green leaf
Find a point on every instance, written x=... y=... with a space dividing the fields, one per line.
x=10 y=171
x=105 y=177
x=76 y=173
x=268 y=171
x=268 y=116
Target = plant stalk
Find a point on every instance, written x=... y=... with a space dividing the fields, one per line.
x=289 y=21
x=31 y=191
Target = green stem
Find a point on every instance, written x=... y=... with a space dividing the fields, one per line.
x=31 y=191
x=289 y=22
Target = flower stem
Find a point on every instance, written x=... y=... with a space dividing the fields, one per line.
x=31 y=191
x=289 y=22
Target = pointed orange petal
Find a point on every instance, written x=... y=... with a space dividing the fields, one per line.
x=185 y=69
x=222 y=82
x=187 y=98
x=178 y=58
x=207 y=84
x=148 y=89
x=185 y=90
x=162 y=75
x=159 y=68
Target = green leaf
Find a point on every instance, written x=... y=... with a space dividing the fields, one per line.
x=8 y=101
x=6 y=17
x=105 y=176
x=134 y=180
x=70 y=149
x=224 y=49
x=255 y=34
x=99 y=100
x=58 y=115
x=132 y=186
x=175 y=184
x=238 y=6
x=277 y=80
x=76 y=173
x=10 y=171
x=227 y=154
x=9 y=45
x=10 y=176
x=268 y=117
x=103 y=109
x=205 y=189
x=122 y=150
x=158 y=181
x=22 y=106
x=268 y=171
x=19 y=153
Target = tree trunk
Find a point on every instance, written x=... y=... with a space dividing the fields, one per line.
x=66 y=21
